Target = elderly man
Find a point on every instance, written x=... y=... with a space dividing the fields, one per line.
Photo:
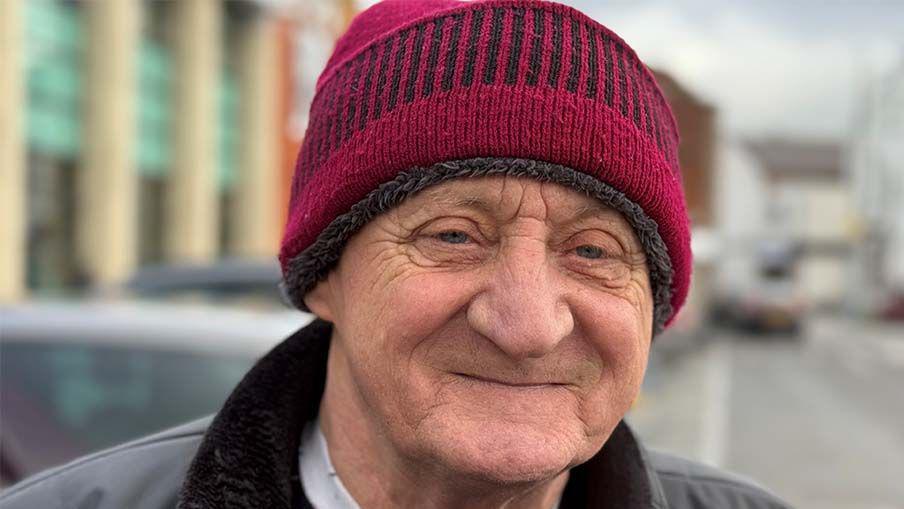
x=488 y=221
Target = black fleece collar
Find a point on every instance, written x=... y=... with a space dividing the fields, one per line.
x=249 y=455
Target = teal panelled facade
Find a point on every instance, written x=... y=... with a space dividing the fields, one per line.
x=54 y=45
x=154 y=100
x=155 y=116
x=228 y=130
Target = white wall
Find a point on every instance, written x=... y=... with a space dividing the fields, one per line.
x=821 y=279
x=740 y=211
x=818 y=211
x=876 y=164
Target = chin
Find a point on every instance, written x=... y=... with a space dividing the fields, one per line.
x=505 y=453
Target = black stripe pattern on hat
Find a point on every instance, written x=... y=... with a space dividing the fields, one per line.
x=494 y=45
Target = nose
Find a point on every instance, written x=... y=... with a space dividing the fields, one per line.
x=522 y=308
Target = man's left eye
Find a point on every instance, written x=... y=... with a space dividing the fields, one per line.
x=453 y=237
x=587 y=251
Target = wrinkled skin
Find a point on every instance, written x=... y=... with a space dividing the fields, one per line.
x=489 y=335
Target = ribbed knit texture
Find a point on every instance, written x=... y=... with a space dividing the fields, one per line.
x=415 y=82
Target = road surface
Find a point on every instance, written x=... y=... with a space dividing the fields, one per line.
x=820 y=421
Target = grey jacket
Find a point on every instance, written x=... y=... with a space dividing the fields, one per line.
x=246 y=456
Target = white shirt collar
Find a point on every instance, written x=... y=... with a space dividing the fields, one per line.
x=319 y=480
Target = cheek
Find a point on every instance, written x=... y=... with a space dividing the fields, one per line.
x=385 y=288
x=622 y=335
x=418 y=310
x=428 y=300
x=403 y=306
x=389 y=350
x=617 y=323
x=615 y=328
x=390 y=315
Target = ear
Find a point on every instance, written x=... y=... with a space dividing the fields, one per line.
x=320 y=301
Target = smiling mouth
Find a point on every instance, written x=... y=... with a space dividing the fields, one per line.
x=506 y=383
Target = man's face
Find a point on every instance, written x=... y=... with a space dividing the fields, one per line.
x=496 y=326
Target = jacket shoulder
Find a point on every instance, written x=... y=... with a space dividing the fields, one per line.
x=688 y=484
x=144 y=474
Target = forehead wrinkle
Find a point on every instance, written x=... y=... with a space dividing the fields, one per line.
x=462 y=195
x=461 y=201
x=599 y=211
x=502 y=198
x=541 y=213
x=438 y=196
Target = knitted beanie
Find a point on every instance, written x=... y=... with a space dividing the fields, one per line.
x=418 y=92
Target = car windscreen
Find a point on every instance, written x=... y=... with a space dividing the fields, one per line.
x=76 y=398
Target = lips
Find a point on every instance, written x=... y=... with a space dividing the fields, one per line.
x=525 y=384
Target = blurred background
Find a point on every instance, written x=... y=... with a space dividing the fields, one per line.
x=146 y=150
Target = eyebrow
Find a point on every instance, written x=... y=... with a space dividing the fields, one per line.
x=470 y=201
x=474 y=201
x=596 y=210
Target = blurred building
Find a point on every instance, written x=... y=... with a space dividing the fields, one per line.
x=137 y=133
x=739 y=202
x=807 y=209
x=875 y=159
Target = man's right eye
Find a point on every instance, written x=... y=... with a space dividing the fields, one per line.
x=453 y=237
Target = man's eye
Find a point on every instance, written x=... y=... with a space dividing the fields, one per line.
x=453 y=237
x=587 y=251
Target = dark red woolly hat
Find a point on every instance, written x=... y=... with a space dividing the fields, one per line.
x=421 y=91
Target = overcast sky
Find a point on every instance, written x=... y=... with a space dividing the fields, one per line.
x=772 y=67
x=780 y=67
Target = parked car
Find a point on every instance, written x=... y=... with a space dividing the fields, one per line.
x=78 y=377
x=230 y=280
x=773 y=308
x=772 y=305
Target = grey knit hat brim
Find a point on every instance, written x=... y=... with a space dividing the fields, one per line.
x=312 y=265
